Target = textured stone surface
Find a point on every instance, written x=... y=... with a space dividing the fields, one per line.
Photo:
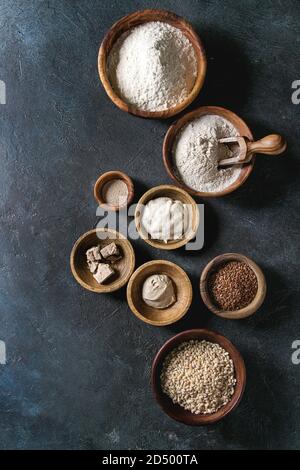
x=77 y=372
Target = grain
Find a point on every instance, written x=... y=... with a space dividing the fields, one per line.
x=199 y=376
x=232 y=286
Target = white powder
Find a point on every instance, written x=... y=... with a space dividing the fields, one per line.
x=197 y=152
x=153 y=66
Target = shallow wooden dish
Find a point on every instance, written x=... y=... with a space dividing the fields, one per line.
x=243 y=312
x=174 y=193
x=105 y=178
x=174 y=131
x=179 y=413
x=124 y=267
x=156 y=316
x=135 y=19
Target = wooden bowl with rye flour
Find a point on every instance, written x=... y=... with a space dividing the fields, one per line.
x=138 y=18
x=174 y=132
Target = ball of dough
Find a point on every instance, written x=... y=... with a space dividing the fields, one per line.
x=158 y=291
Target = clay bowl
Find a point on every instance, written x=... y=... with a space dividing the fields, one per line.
x=135 y=19
x=124 y=266
x=155 y=316
x=174 y=193
x=243 y=312
x=99 y=189
x=177 y=412
x=176 y=128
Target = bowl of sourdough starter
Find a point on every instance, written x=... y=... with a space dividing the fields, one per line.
x=152 y=63
x=191 y=152
x=167 y=217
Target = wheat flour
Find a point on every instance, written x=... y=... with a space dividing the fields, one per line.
x=153 y=66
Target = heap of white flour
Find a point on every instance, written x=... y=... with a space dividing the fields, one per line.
x=153 y=66
x=197 y=152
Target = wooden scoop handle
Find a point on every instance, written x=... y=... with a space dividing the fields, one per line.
x=272 y=144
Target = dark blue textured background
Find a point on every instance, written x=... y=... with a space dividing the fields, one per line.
x=77 y=372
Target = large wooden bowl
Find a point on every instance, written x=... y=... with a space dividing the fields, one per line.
x=135 y=19
x=176 y=411
x=243 y=312
x=175 y=193
x=155 y=316
x=176 y=128
x=124 y=267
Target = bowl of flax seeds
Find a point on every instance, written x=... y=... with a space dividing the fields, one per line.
x=232 y=286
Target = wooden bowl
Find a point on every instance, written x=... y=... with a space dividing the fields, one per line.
x=135 y=19
x=176 y=411
x=234 y=314
x=156 y=316
x=176 y=128
x=109 y=176
x=174 y=193
x=124 y=266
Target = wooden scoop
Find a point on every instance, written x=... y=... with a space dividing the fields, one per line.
x=273 y=144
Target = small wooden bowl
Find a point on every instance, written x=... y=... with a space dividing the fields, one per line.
x=174 y=193
x=135 y=19
x=124 y=266
x=156 y=316
x=105 y=178
x=176 y=128
x=176 y=411
x=234 y=314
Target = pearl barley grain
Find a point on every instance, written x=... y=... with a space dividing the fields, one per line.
x=199 y=376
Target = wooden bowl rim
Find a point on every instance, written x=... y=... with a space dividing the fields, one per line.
x=105 y=288
x=130 y=286
x=176 y=128
x=170 y=245
x=103 y=179
x=243 y=312
x=139 y=17
x=190 y=418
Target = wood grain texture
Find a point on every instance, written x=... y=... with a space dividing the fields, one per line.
x=176 y=411
x=135 y=19
x=103 y=179
x=273 y=144
x=155 y=316
x=124 y=267
x=243 y=312
x=176 y=128
x=174 y=193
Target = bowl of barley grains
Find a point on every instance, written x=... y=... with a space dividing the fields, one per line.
x=198 y=377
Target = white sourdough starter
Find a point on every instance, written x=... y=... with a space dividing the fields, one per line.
x=197 y=152
x=152 y=66
x=165 y=219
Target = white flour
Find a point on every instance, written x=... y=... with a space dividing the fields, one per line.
x=197 y=152
x=153 y=66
